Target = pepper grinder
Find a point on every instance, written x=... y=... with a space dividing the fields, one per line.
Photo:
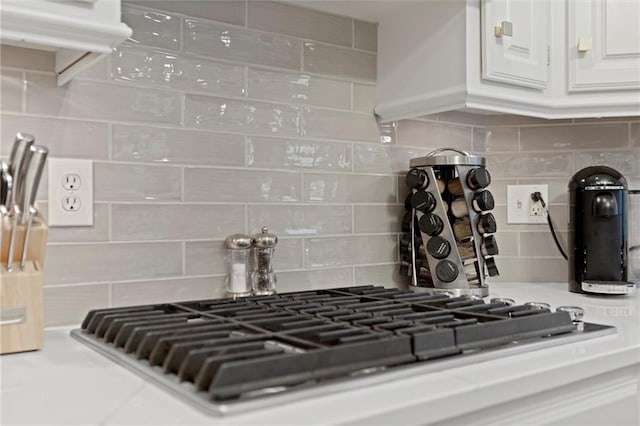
x=263 y=279
x=237 y=281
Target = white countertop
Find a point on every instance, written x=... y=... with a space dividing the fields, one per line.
x=68 y=383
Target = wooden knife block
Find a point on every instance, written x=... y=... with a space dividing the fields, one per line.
x=21 y=294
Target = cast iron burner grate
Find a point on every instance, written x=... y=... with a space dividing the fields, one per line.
x=234 y=350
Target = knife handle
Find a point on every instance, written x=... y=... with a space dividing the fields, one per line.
x=6 y=186
x=33 y=173
x=19 y=156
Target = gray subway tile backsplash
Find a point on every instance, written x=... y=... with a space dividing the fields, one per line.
x=69 y=304
x=338 y=61
x=626 y=162
x=153 y=27
x=175 y=71
x=331 y=252
x=577 y=137
x=246 y=116
x=143 y=222
x=634 y=142
x=344 y=188
x=11 y=83
x=99 y=232
x=99 y=100
x=176 y=146
x=163 y=291
x=134 y=182
x=107 y=262
x=377 y=219
x=299 y=88
x=533 y=164
x=315 y=279
x=296 y=153
x=204 y=125
x=249 y=186
x=382 y=275
x=301 y=220
x=31 y=59
x=220 y=41
x=434 y=135
x=366 y=36
x=64 y=138
x=229 y=11
x=370 y=158
x=364 y=97
x=288 y=19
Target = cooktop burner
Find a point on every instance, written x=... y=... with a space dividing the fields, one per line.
x=225 y=355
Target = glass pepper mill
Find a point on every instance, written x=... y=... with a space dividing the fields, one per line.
x=237 y=280
x=263 y=279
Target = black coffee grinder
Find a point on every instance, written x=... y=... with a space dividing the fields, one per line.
x=598 y=242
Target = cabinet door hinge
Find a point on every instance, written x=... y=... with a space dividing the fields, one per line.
x=548 y=55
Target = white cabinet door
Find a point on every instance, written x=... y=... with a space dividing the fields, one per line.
x=603 y=45
x=515 y=42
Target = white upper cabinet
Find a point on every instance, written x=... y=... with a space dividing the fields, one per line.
x=515 y=42
x=604 y=45
x=79 y=31
x=540 y=58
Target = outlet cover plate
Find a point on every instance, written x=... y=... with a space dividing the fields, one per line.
x=519 y=204
x=58 y=169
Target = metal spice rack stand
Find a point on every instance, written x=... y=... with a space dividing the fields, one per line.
x=447 y=168
x=21 y=292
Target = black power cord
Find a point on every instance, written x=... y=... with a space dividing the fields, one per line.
x=537 y=197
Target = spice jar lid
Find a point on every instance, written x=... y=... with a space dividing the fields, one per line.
x=489 y=245
x=490 y=263
x=478 y=178
x=430 y=224
x=446 y=271
x=265 y=239
x=417 y=178
x=484 y=200
x=438 y=247
x=238 y=241
x=487 y=224
x=423 y=201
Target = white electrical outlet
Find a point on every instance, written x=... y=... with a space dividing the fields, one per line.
x=521 y=208
x=70 y=192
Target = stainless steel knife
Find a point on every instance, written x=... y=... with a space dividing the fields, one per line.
x=6 y=183
x=31 y=183
x=20 y=155
x=6 y=187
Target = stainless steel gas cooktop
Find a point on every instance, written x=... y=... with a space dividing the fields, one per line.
x=227 y=356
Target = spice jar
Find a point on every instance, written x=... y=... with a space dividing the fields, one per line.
x=478 y=178
x=482 y=201
x=489 y=247
x=455 y=186
x=486 y=224
x=438 y=247
x=462 y=230
x=459 y=207
x=237 y=281
x=446 y=271
x=431 y=224
x=417 y=179
x=472 y=271
x=492 y=269
x=263 y=279
x=423 y=201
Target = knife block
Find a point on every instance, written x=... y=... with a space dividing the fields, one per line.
x=21 y=292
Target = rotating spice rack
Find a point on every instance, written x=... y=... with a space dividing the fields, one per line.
x=430 y=224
